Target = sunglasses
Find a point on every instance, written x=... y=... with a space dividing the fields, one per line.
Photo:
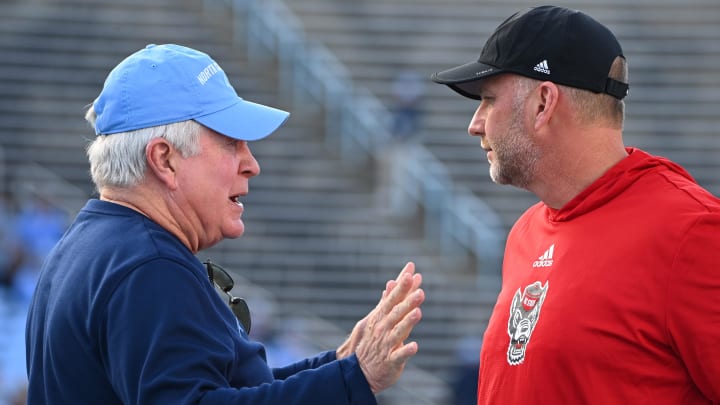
x=222 y=280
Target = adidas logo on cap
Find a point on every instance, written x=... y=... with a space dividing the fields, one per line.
x=542 y=67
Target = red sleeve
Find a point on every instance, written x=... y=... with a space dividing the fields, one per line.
x=694 y=304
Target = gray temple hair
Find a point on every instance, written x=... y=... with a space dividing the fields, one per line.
x=118 y=160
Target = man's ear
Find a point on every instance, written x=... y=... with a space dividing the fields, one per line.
x=162 y=159
x=547 y=98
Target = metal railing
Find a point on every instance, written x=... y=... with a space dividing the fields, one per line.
x=359 y=125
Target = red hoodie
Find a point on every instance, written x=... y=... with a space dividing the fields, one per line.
x=611 y=299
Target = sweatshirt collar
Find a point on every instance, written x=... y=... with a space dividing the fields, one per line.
x=614 y=182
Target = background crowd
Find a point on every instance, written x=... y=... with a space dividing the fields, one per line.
x=28 y=230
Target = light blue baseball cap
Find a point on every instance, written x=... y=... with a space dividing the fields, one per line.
x=163 y=84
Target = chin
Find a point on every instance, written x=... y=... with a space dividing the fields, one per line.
x=234 y=233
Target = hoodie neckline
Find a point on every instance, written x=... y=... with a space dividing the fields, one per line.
x=612 y=183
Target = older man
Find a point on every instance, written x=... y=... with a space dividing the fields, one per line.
x=124 y=313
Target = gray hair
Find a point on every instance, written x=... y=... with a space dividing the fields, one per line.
x=118 y=160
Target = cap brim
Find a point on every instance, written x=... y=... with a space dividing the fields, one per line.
x=463 y=79
x=245 y=120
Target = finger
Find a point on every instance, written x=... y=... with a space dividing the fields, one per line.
x=397 y=294
x=401 y=331
x=402 y=310
x=408 y=269
x=403 y=353
x=416 y=278
x=396 y=326
x=417 y=281
x=391 y=284
x=389 y=287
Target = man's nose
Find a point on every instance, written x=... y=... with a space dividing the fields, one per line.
x=249 y=166
x=477 y=123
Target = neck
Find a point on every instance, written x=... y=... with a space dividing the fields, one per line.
x=155 y=208
x=114 y=200
x=569 y=170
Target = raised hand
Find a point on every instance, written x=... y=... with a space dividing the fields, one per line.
x=378 y=340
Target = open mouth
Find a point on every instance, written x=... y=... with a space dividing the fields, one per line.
x=235 y=199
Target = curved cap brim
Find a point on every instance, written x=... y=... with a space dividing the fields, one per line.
x=245 y=120
x=463 y=79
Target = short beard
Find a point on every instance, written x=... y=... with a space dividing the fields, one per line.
x=516 y=156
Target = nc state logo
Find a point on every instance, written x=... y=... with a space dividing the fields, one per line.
x=524 y=314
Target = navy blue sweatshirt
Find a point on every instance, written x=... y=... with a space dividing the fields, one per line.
x=124 y=313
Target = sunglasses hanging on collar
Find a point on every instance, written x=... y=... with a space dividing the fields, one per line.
x=222 y=280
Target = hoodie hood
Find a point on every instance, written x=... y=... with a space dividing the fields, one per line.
x=615 y=181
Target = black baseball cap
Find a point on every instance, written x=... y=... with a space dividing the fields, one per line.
x=550 y=43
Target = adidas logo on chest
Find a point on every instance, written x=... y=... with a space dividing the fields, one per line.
x=546 y=259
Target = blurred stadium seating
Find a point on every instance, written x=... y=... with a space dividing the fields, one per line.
x=316 y=243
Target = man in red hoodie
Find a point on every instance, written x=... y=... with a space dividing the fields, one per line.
x=609 y=283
